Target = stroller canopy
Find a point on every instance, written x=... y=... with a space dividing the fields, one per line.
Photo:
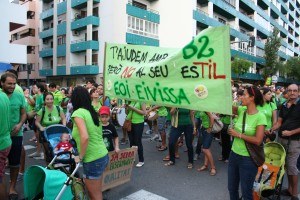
x=38 y=179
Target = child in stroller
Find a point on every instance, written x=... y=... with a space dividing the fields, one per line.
x=63 y=146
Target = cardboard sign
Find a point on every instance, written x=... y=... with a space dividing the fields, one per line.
x=196 y=77
x=119 y=168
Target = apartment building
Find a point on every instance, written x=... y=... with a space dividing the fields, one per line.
x=28 y=35
x=73 y=33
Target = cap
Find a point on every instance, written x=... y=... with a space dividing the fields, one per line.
x=104 y=110
x=278 y=87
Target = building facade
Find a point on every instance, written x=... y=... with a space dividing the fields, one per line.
x=73 y=33
x=28 y=35
x=12 y=16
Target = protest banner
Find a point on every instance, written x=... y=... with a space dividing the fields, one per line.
x=196 y=77
x=119 y=168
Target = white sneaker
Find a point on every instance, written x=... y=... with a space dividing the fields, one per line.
x=196 y=157
x=140 y=164
x=154 y=137
x=148 y=132
x=35 y=154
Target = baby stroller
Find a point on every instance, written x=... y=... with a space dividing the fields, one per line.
x=268 y=181
x=63 y=160
x=47 y=184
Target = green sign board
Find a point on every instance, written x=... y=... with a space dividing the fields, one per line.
x=196 y=77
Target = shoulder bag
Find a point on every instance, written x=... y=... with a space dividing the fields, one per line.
x=218 y=124
x=256 y=152
x=128 y=121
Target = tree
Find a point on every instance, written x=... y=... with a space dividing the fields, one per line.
x=240 y=66
x=293 y=69
x=271 y=53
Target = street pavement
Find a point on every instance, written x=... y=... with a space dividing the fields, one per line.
x=154 y=181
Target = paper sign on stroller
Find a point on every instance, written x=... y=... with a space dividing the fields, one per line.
x=119 y=168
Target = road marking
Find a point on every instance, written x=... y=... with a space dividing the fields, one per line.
x=27 y=147
x=143 y=195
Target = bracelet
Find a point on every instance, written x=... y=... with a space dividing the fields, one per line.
x=195 y=129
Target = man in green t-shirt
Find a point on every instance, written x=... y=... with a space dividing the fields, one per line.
x=5 y=141
x=17 y=118
x=56 y=93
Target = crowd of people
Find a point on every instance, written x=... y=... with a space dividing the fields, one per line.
x=260 y=115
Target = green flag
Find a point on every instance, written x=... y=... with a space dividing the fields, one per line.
x=196 y=77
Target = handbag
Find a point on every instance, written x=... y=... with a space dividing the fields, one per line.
x=218 y=124
x=256 y=152
x=128 y=123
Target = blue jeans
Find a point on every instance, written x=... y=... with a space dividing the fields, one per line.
x=175 y=134
x=241 y=169
x=94 y=170
x=135 y=138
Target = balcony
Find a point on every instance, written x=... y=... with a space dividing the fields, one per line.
x=78 y=4
x=62 y=28
x=81 y=24
x=47 y=15
x=61 y=50
x=141 y=40
x=61 y=70
x=48 y=33
x=46 y=72
x=150 y=15
x=82 y=45
x=62 y=8
x=84 y=69
x=47 y=52
x=47 y=1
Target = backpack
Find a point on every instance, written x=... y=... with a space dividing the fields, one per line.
x=44 y=110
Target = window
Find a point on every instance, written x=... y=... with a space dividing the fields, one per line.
x=142 y=27
x=139 y=5
x=61 y=40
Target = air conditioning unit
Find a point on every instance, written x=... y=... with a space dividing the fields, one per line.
x=77 y=16
x=76 y=33
x=45 y=41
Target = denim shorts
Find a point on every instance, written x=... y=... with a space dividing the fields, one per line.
x=95 y=169
x=14 y=155
x=161 y=123
x=206 y=139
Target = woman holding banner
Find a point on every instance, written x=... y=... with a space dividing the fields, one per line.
x=249 y=127
x=136 y=113
x=182 y=121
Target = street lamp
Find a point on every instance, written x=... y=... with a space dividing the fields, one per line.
x=29 y=68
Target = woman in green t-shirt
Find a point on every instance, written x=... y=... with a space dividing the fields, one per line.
x=241 y=168
x=95 y=99
x=87 y=132
x=269 y=109
x=136 y=112
x=183 y=121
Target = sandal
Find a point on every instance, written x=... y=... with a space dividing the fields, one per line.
x=170 y=163
x=167 y=158
x=162 y=148
x=203 y=168
x=190 y=166
x=213 y=171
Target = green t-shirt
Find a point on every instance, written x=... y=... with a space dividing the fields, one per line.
x=184 y=117
x=162 y=111
x=267 y=109
x=50 y=118
x=226 y=119
x=18 y=89
x=27 y=106
x=205 y=119
x=96 y=148
x=64 y=100
x=57 y=98
x=5 y=140
x=197 y=114
x=17 y=102
x=96 y=107
x=252 y=121
x=39 y=102
x=136 y=118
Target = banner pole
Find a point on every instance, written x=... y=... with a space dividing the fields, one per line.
x=104 y=70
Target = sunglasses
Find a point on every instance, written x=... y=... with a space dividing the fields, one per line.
x=50 y=117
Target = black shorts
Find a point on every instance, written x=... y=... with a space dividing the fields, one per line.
x=14 y=155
